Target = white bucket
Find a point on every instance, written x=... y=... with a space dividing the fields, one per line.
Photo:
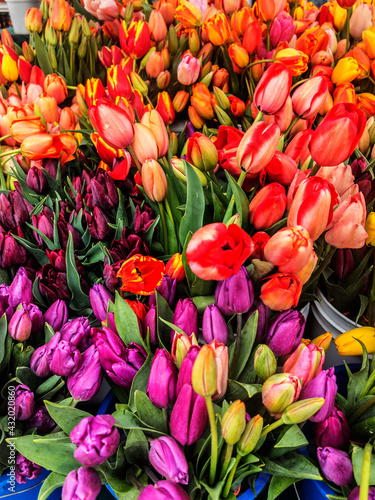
x=326 y=318
x=17 y=12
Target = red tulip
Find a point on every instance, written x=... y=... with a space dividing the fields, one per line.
x=282 y=168
x=298 y=148
x=135 y=41
x=94 y=89
x=141 y=274
x=273 y=89
x=335 y=139
x=268 y=206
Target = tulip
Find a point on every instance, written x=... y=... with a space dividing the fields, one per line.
x=201 y=152
x=188 y=69
x=361 y=20
x=100 y=298
x=135 y=40
x=20 y=325
x=347 y=344
x=56 y=315
x=76 y=332
x=185 y=317
x=55 y=86
x=184 y=375
x=181 y=345
x=141 y=274
x=233 y=422
x=220 y=352
x=9 y=68
x=104 y=191
x=164 y=490
x=214 y=325
x=161 y=388
x=94 y=90
x=66 y=359
x=167 y=458
x=281 y=169
x=21 y=289
x=24 y=404
x=189 y=417
x=167 y=289
x=286 y=332
x=323 y=385
x=34 y=20
x=336 y=465
x=155 y=64
x=266 y=98
x=309 y=97
x=174 y=268
x=165 y=108
x=333 y=431
x=279 y=391
x=118 y=83
x=300 y=411
x=85 y=382
x=312 y=206
x=204 y=374
x=217 y=29
x=41 y=421
x=154 y=121
x=281 y=291
x=268 y=206
x=265 y=364
x=36 y=180
x=25 y=469
x=305 y=362
x=252 y=37
x=40 y=361
x=154 y=180
x=40 y=146
x=13 y=210
x=180 y=100
x=250 y=436
x=83 y=483
x=97 y=439
x=235 y=294
x=354 y=494
x=24 y=127
x=144 y=144
x=263 y=319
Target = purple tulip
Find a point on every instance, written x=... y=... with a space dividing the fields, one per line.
x=56 y=315
x=104 y=191
x=98 y=224
x=13 y=210
x=36 y=316
x=20 y=325
x=111 y=322
x=36 y=180
x=5 y=302
x=167 y=458
x=150 y=324
x=12 y=253
x=163 y=490
x=86 y=381
x=214 y=325
x=44 y=223
x=97 y=439
x=40 y=361
x=235 y=294
x=282 y=29
x=66 y=359
x=167 y=289
x=25 y=469
x=41 y=420
x=322 y=386
x=21 y=289
x=185 y=317
x=161 y=388
x=286 y=332
x=336 y=465
x=24 y=404
x=81 y=484
x=354 y=494
x=100 y=298
x=77 y=331
x=263 y=319
x=333 y=431
x=184 y=375
x=189 y=416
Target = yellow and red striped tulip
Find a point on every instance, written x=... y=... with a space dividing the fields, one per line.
x=295 y=60
x=217 y=29
x=188 y=14
x=135 y=41
x=165 y=108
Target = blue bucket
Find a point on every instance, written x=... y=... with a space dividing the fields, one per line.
x=27 y=491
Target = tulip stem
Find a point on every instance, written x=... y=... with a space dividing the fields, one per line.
x=271 y=427
x=238 y=342
x=164 y=226
x=294 y=121
x=314 y=170
x=214 y=440
x=14 y=152
x=347 y=28
x=227 y=455
x=258 y=117
x=134 y=158
x=366 y=469
x=229 y=481
x=5 y=137
x=259 y=62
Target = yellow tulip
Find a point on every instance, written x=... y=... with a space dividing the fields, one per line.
x=339 y=16
x=346 y=70
x=370 y=229
x=369 y=42
x=9 y=68
x=323 y=341
x=348 y=346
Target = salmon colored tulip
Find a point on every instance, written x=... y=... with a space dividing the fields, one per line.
x=268 y=206
x=309 y=97
x=282 y=118
x=305 y=273
x=290 y=249
x=361 y=19
x=158 y=28
x=220 y=352
x=295 y=60
x=144 y=143
x=40 y=146
x=55 y=86
x=112 y=123
x=312 y=206
x=155 y=123
x=188 y=14
x=68 y=119
x=273 y=89
x=342 y=179
x=269 y=9
x=104 y=10
x=69 y=147
x=34 y=20
x=60 y=15
x=335 y=139
x=257 y=147
x=47 y=107
x=164 y=106
x=252 y=37
x=281 y=291
x=141 y=274
x=155 y=64
x=135 y=40
x=25 y=127
x=154 y=180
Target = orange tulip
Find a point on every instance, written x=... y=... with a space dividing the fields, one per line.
x=144 y=143
x=40 y=146
x=252 y=37
x=295 y=60
x=34 y=20
x=363 y=60
x=195 y=118
x=180 y=100
x=25 y=127
x=201 y=100
x=369 y=42
x=269 y=9
x=155 y=64
x=188 y=14
x=241 y=19
x=154 y=180
x=366 y=102
x=158 y=28
x=345 y=93
x=141 y=274
x=281 y=291
x=55 y=86
x=47 y=107
x=217 y=28
x=60 y=15
x=312 y=41
x=238 y=55
x=69 y=147
x=174 y=268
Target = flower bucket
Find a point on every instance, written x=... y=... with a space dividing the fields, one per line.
x=17 y=11
x=326 y=318
x=27 y=491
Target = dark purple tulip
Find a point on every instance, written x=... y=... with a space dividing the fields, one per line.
x=163 y=490
x=98 y=224
x=24 y=404
x=322 y=386
x=56 y=315
x=44 y=223
x=13 y=210
x=50 y=166
x=150 y=324
x=36 y=180
x=40 y=361
x=12 y=253
x=354 y=494
x=189 y=130
x=5 y=302
x=167 y=458
x=81 y=484
x=286 y=332
x=185 y=317
x=161 y=388
x=104 y=191
x=214 y=325
x=167 y=289
x=41 y=420
x=86 y=381
x=36 y=316
x=189 y=416
x=97 y=439
x=343 y=263
x=25 y=469
x=110 y=276
x=336 y=465
x=66 y=359
x=20 y=325
x=263 y=319
x=100 y=298
x=21 y=289
x=333 y=431
x=235 y=294
x=65 y=228
x=184 y=375
x=77 y=331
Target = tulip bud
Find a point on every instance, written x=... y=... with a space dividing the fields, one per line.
x=354 y=494
x=24 y=404
x=21 y=355
x=164 y=490
x=280 y=391
x=36 y=317
x=333 y=431
x=138 y=83
x=204 y=374
x=161 y=388
x=214 y=325
x=301 y=410
x=21 y=289
x=250 y=436
x=40 y=361
x=85 y=382
x=20 y=325
x=286 y=332
x=154 y=180
x=336 y=465
x=323 y=385
x=167 y=458
x=66 y=359
x=77 y=332
x=100 y=298
x=323 y=341
x=235 y=294
x=201 y=152
x=25 y=469
x=36 y=180
x=233 y=422
x=222 y=99
x=265 y=364
x=185 y=317
x=83 y=479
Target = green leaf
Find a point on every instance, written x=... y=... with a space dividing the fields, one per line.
x=277 y=485
x=38 y=449
x=127 y=420
x=49 y=485
x=148 y=413
x=238 y=390
x=165 y=313
x=79 y=299
x=357 y=459
x=42 y=55
x=357 y=380
x=248 y=335
x=27 y=377
x=195 y=204
x=363 y=430
x=48 y=333
x=127 y=322
x=242 y=203
x=292 y=465
x=140 y=380
x=39 y=255
x=65 y=417
x=5 y=339
x=290 y=438
x=136 y=448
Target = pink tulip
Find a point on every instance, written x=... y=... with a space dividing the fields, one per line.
x=188 y=69
x=305 y=362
